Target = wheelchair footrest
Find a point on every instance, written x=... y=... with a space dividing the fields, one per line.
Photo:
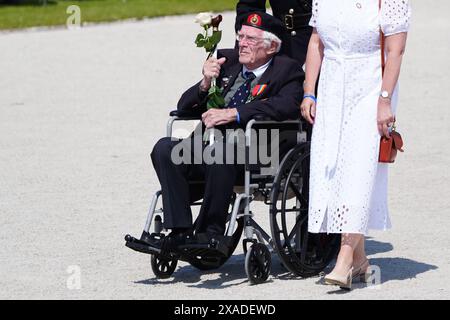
x=140 y=246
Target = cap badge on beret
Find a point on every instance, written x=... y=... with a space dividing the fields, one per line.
x=254 y=20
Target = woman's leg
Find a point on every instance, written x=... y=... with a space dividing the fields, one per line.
x=359 y=255
x=349 y=244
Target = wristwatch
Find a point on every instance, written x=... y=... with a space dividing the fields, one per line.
x=385 y=95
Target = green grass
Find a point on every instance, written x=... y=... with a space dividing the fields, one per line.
x=23 y=16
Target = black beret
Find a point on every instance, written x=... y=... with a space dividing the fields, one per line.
x=263 y=21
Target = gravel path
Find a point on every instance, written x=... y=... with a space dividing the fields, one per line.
x=79 y=113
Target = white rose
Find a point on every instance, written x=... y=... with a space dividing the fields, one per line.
x=204 y=18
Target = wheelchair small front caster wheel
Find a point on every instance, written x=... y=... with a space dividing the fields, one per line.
x=163 y=267
x=257 y=263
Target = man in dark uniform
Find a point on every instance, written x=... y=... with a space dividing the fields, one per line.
x=256 y=81
x=295 y=16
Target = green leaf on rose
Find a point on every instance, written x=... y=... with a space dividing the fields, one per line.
x=215 y=90
x=209 y=46
x=200 y=40
x=219 y=100
x=215 y=98
x=215 y=37
x=215 y=103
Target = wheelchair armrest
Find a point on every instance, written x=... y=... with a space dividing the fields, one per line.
x=262 y=118
x=181 y=115
x=186 y=114
x=270 y=123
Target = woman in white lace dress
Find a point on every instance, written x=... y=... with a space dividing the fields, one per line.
x=355 y=105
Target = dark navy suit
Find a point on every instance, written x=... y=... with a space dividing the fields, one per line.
x=280 y=101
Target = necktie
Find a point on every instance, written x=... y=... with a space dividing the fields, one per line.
x=242 y=93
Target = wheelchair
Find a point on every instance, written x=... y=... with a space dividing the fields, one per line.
x=285 y=193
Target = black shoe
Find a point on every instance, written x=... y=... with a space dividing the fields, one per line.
x=207 y=245
x=178 y=237
x=212 y=238
x=153 y=240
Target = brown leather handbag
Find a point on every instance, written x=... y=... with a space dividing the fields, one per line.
x=388 y=146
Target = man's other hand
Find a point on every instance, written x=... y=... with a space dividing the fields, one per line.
x=215 y=117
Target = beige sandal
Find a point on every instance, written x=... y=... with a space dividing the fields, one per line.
x=362 y=272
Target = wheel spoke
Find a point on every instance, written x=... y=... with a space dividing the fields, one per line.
x=304 y=246
x=319 y=246
x=298 y=195
x=294 y=229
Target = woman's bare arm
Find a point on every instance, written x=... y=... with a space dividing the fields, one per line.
x=395 y=48
x=314 y=59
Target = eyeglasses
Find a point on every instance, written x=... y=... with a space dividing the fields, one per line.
x=250 y=40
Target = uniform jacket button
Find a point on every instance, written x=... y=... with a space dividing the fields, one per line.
x=291 y=11
x=293 y=33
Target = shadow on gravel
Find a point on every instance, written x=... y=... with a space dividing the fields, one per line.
x=374 y=247
x=232 y=273
x=391 y=269
x=400 y=268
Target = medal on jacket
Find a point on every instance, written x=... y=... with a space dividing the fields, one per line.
x=225 y=82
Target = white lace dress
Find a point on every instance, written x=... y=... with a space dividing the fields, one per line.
x=348 y=187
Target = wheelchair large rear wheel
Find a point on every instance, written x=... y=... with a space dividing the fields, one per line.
x=302 y=253
x=210 y=263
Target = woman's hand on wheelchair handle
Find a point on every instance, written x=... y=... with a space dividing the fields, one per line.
x=308 y=109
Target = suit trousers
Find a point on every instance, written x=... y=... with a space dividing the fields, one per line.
x=184 y=183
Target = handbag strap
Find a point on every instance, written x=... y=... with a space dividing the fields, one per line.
x=381 y=43
x=383 y=59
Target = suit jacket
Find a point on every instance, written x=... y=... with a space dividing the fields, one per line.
x=279 y=101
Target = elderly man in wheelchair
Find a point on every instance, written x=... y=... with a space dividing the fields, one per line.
x=262 y=91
